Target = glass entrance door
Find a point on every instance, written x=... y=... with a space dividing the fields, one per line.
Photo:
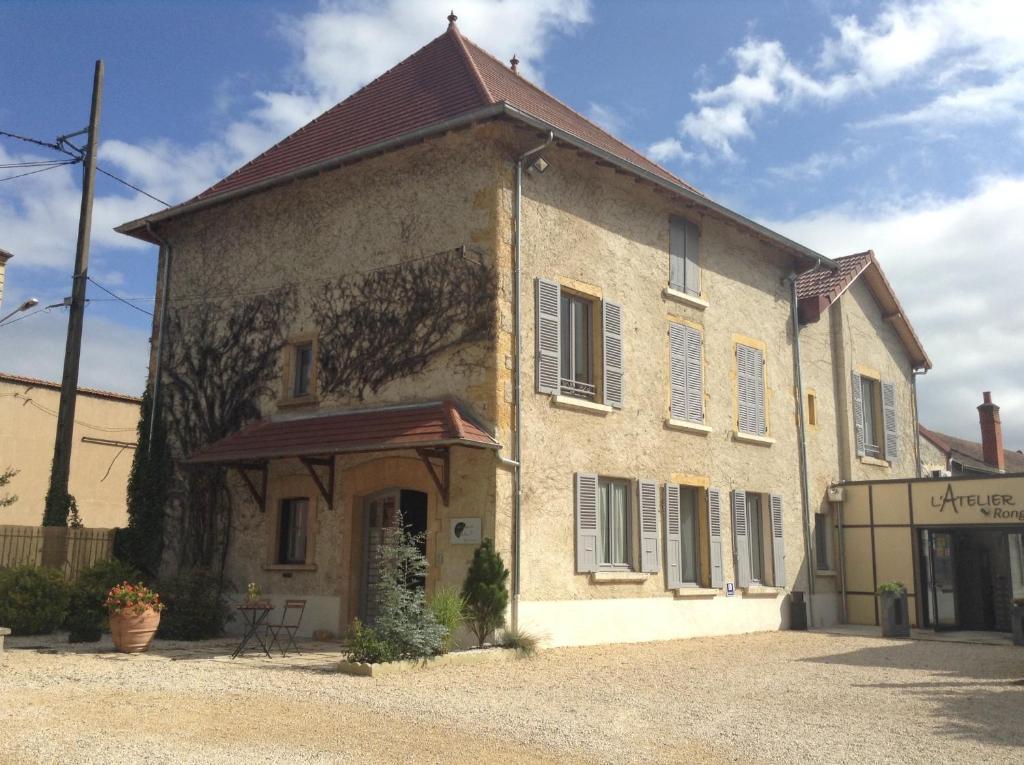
x=943 y=584
x=381 y=511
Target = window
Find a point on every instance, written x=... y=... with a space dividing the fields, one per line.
x=684 y=256
x=812 y=409
x=303 y=370
x=822 y=542
x=755 y=531
x=613 y=524
x=577 y=362
x=758 y=543
x=686 y=374
x=292 y=531
x=874 y=418
x=750 y=390
x=689 y=562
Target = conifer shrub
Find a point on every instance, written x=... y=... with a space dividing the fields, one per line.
x=33 y=601
x=485 y=592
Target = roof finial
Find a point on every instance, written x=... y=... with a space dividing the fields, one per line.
x=515 y=62
x=452 y=18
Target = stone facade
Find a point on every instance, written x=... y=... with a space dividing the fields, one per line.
x=599 y=234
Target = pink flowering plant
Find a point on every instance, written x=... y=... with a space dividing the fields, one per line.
x=127 y=598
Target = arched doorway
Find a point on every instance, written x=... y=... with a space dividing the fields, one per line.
x=381 y=511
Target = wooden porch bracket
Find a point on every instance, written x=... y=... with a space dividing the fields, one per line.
x=326 y=491
x=259 y=495
x=442 y=481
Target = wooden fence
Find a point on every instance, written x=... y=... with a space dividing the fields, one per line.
x=69 y=550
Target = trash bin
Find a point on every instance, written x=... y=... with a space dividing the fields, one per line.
x=797 y=611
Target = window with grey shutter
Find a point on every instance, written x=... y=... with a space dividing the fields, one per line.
x=548 y=336
x=686 y=374
x=858 y=414
x=586 y=523
x=684 y=256
x=778 y=542
x=741 y=550
x=648 y=491
x=715 y=536
x=889 y=421
x=613 y=366
x=673 y=537
x=750 y=390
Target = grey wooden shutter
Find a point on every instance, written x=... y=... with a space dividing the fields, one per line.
x=586 y=522
x=858 y=415
x=673 y=537
x=778 y=542
x=648 y=491
x=892 y=440
x=750 y=390
x=677 y=370
x=549 y=336
x=611 y=322
x=739 y=525
x=692 y=259
x=715 y=536
x=694 y=376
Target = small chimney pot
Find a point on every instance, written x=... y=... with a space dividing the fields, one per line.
x=991 y=433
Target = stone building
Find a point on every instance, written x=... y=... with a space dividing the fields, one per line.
x=452 y=296
x=946 y=455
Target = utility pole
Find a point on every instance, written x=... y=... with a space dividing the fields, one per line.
x=57 y=498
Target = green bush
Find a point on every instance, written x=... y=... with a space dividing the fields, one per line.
x=33 y=601
x=365 y=645
x=196 y=608
x=87 y=616
x=485 y=591
x=891 y=588
x=525 y=643
x=447 y=606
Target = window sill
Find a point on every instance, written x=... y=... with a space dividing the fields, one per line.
x=289 y=567
x=685 y=298
x=750 y=438
x=695 y=592
x=827 y=572
x=874 y=461
x=761 y=591
x=580 y=404
x=618 y=577
x=688 y=427
x=290 y=402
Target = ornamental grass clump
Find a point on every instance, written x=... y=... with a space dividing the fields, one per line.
x=485 y=592
x=448 y=606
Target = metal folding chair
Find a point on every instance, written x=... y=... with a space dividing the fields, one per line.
x=291 y=618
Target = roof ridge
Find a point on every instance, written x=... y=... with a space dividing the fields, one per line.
x=557 y=100
x=453 y=30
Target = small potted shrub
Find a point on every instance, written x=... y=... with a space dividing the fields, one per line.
x=892 y=611
x=134 y=616
x=1017 y=621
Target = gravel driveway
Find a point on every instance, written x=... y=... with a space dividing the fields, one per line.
x=772 y=697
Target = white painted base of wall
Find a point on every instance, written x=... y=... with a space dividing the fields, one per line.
x=639 y=620
x=323 y=612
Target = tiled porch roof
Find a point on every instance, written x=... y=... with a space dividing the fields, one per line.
x=439 y=423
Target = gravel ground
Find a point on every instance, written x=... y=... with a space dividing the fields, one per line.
x=774 y=698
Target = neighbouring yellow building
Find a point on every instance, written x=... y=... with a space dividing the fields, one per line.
x=452 y=300
x=104 y=446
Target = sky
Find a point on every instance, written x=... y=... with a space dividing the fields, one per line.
x=895 y=125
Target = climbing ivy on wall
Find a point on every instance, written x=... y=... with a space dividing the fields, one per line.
x=148 y=484
x=389 y=323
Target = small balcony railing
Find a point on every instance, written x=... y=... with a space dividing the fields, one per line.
x=578 y=389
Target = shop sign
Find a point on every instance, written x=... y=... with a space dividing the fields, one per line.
x=465 y=531
x=997 y=507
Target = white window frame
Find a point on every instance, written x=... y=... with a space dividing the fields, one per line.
x=602 y=485
x=570 y=383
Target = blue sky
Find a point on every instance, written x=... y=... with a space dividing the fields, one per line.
x=848 y=125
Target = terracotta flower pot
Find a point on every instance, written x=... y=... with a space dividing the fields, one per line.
x=132 y=633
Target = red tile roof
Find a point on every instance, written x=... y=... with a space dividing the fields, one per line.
x=35 y=382
x=439 y=423
x=822 y=282
x=971 y=453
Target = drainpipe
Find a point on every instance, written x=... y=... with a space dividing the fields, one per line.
x=917 y=435
x=805 y=489
x=517 y=454
x=842 y=562
x=166 y=247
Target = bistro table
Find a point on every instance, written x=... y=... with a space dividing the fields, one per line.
x=254 y=614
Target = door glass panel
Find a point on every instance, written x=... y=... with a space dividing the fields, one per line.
x=755 y=538
x=943 y=580
x=688 y=535
x=1017 y=565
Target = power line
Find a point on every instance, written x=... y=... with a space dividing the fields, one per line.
x=118 y=297
x=36 y=141
x=22 y=318
x=40 y=170
x=122 y=180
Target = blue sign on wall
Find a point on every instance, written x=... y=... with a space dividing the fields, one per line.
x=730 y=589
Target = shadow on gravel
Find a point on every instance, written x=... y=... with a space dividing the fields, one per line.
x=977 y=693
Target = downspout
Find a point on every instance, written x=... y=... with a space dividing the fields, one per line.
x=917 y=424
x=842 y=562
x=517 y=453
x=166 y=247
x=805 y=488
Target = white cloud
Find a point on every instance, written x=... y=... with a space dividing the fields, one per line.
x=964 y=57
x=667 y=150
x=956 y=266
x=606 y=117
x=819 y=164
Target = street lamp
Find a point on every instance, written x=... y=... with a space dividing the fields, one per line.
x=30 y=303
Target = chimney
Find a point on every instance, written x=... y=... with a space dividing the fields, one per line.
x=991 y=433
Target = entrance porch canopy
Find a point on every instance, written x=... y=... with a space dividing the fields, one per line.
x=430 y=429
